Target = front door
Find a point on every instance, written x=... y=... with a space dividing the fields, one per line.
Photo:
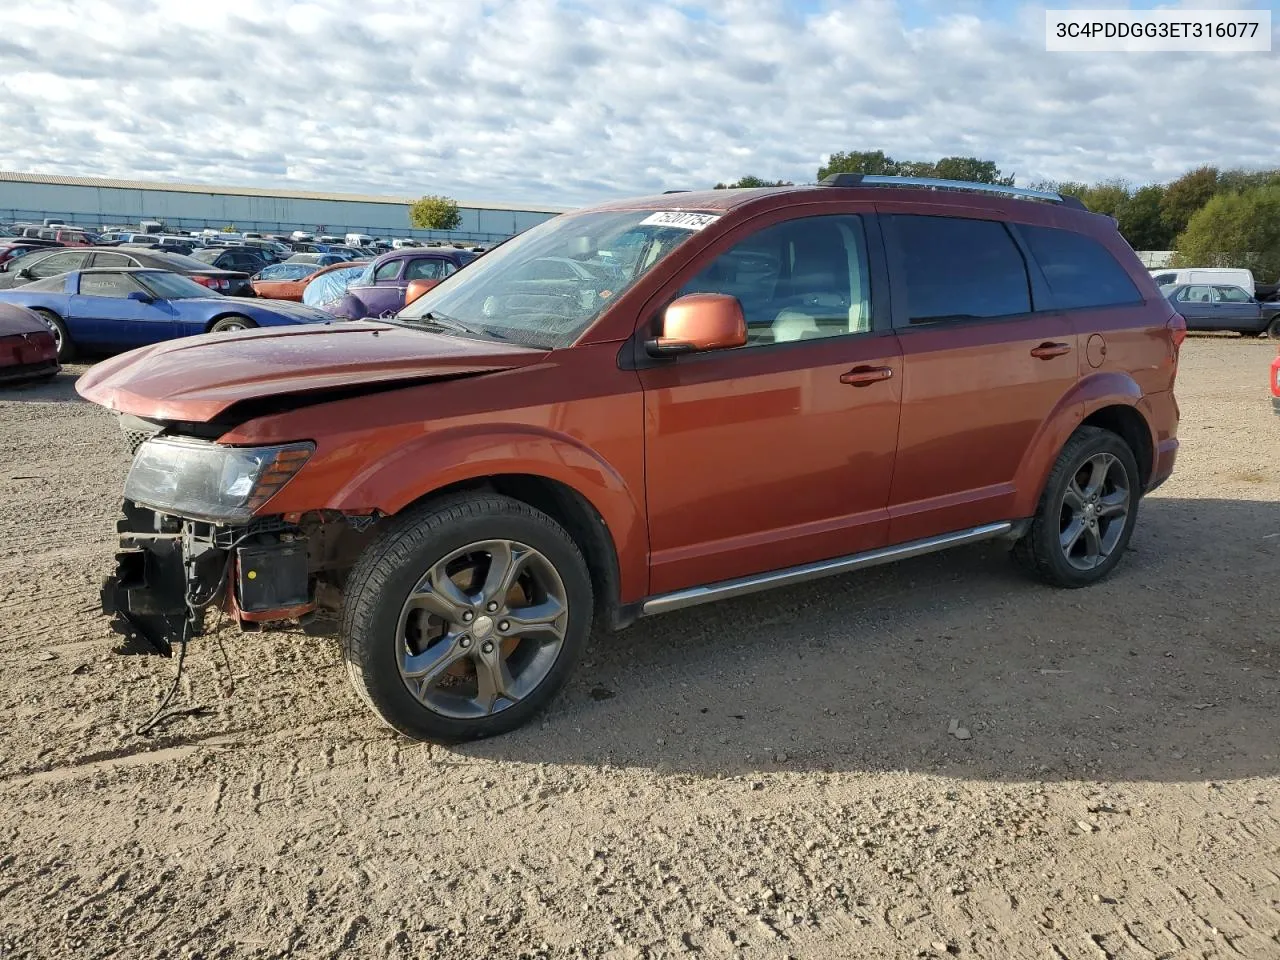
x=102 y=313
x=982 y=371
x=780 y=452
x=1235 y=309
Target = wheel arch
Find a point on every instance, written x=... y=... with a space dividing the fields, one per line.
x=230 y=313
x=1111 y=400
x=573 y=511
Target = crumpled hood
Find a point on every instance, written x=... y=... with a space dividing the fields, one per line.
x=196 y=378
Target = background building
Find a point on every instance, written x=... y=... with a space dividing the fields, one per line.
x=91 y=201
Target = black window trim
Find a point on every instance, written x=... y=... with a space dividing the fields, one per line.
x=1037 y=287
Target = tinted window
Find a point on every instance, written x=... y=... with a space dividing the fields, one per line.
x=1080 y=271
x=56 y=264
x=1232 y=295
x=796 y=280
x=116 y=285
x=957 y=268
x=1162 y=279
x=388 y=271
x=424 y=270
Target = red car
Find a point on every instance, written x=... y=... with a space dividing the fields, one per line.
x=1275 y=385
x=643 y=406
x=27 y=347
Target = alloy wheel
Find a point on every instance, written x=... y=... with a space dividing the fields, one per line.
x=482 y=629
x=1095 y=507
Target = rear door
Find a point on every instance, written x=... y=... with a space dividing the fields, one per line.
x=52 y=266
x=982 y=368
x=1196 y=303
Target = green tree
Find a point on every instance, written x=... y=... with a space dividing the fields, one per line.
x=971 y=169
x=871 y=162
x=876 y=163
x=1237 y=181
x=1235 y=230
x=1186 y=195
x=1141 y=223
x=435 y=213
x=1109 y=198
x=753 y=181
x=230 y=228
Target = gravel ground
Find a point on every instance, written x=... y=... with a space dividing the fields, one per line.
x=766 y=777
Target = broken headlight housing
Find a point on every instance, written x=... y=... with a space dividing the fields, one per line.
x=209 y=481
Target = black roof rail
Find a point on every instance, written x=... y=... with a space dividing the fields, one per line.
x=928 y=183
x=665 y=192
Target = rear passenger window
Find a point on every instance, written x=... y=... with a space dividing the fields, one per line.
x=959 y=269
x=1080 y=271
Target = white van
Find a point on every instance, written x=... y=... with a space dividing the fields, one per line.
x=359 y=240
x=1227 y=276
x=403 y=243
x=302 y=236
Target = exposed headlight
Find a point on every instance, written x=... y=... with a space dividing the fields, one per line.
x=208 y=481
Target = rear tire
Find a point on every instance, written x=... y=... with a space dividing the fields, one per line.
x=66 y=348
x=1087 y=512
x=234 y=322
x=429 y=616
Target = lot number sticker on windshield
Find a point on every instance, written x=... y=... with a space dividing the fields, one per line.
x=676 y=218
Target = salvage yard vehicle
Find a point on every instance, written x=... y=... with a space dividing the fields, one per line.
x=764 y=387
x=283 y=281
x=28 y=350
x=1223 y=307
x=114 y=309
x=40 y=266
x=382 y=289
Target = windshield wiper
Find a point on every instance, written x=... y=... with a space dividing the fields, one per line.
x=446 y=322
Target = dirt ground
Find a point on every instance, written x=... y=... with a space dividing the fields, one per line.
x=766 y=777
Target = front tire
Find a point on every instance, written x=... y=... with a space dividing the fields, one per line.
x=66 y=348
x=1087 y=512
x=464 y=617
x=1273 y=331
x=235 y=322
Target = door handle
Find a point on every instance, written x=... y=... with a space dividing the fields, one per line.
x=865 y=376
x=1047 y=351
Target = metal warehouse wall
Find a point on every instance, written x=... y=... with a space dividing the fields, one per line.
x=99 y=206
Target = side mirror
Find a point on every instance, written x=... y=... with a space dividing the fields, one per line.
x=141 y=297
x=698 y=322
x=25 y=274
x=416 y=289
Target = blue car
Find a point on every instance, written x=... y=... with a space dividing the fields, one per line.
x=118 y=309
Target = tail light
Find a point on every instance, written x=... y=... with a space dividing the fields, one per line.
x=1177 y=329
x=205 y=281
x=224 y=284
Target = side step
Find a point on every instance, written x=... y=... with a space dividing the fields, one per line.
x=693 y=596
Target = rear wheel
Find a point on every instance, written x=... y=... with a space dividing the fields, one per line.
x=1087 y=512
x=234 y=322
x=465 y=617
x=66 y=349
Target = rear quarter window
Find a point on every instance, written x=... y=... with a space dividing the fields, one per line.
x=1080 y=271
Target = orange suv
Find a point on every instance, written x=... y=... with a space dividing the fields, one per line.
x=642 y=406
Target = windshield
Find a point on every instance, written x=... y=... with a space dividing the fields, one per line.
x=172 y=286
x=546 y=286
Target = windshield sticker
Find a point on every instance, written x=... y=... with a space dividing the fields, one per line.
x=677 y=218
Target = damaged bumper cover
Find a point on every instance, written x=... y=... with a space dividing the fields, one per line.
x=171 y=570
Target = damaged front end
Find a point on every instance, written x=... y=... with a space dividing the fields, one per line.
x=170 y=570
x=191 y=540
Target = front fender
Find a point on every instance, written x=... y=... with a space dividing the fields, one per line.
x=412 y=470
x=1091 y=393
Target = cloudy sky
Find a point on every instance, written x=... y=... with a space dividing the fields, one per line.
x=567 y=101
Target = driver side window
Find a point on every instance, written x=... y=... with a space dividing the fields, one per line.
x=796 y=280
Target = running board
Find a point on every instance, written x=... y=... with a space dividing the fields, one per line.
x=824 y=568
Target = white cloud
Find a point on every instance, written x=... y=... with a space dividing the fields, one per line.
x=564 y=103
